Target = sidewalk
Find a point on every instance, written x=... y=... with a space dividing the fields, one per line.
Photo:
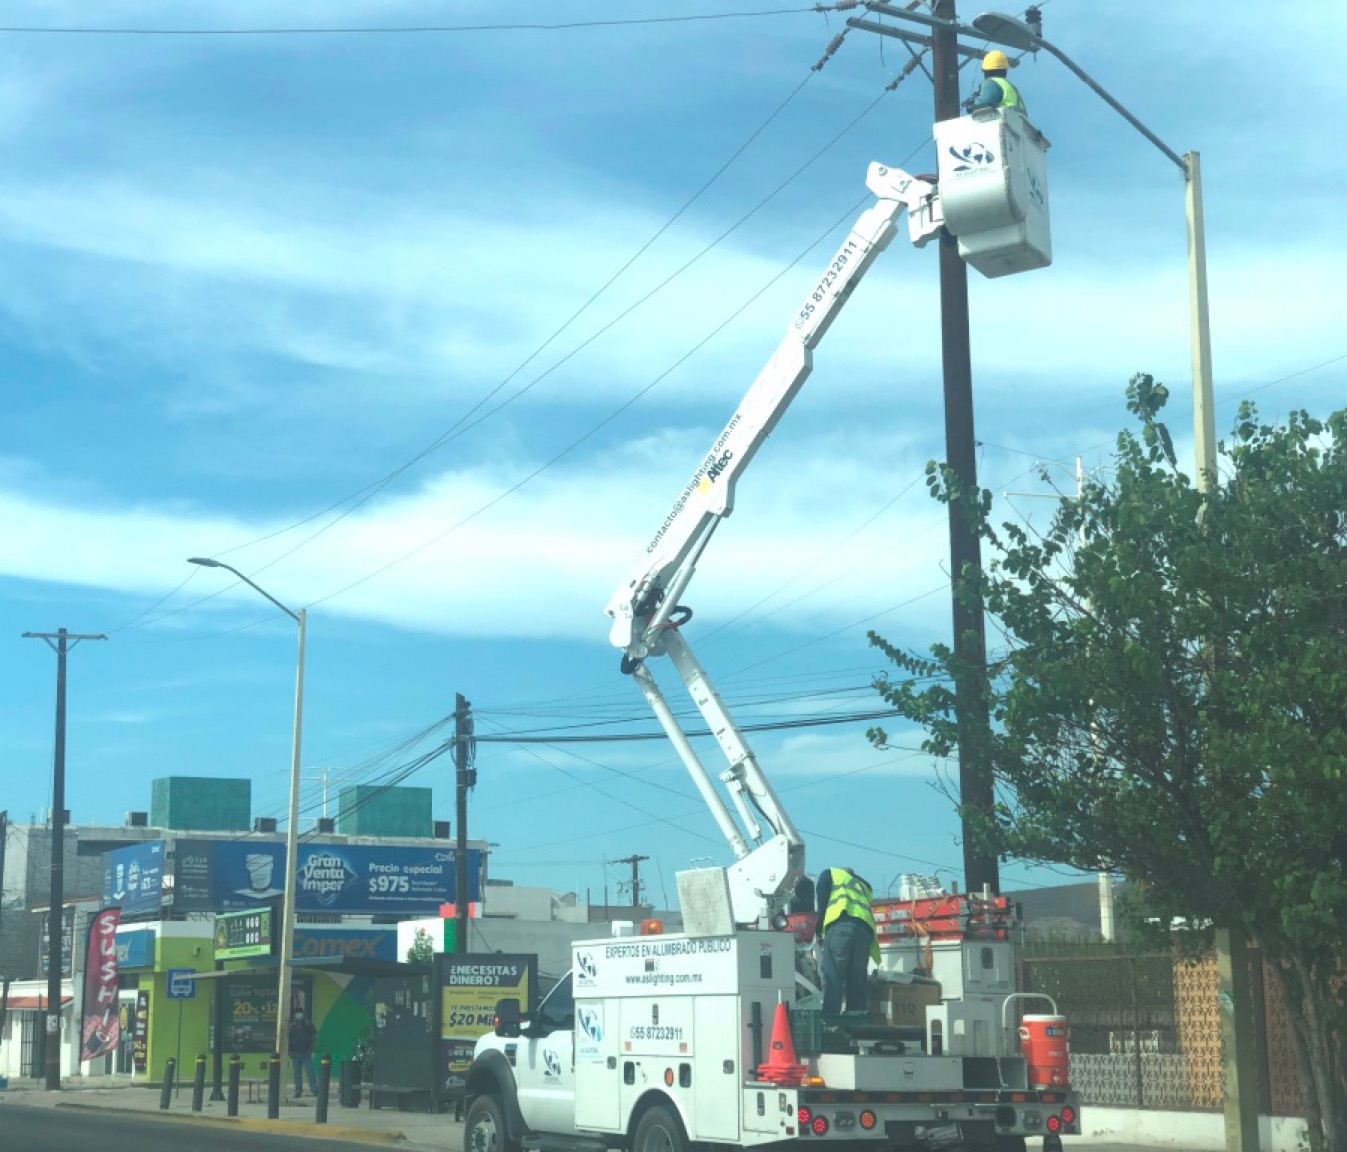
x=379 y=1127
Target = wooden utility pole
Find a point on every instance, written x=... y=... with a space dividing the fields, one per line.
x=976 y=791
x=465 y=776
x=635 y=862
x=64 y=641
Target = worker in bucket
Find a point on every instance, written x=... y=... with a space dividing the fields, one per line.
x=996 y=90
x=846 y=928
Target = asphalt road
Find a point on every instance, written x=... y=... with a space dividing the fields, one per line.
x=69 y=1130
x=73 y=1130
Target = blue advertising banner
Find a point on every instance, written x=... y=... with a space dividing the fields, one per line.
x=133 y=878
x=230 y=875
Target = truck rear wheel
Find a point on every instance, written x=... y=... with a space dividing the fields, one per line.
x=658 y=1131
x=484 y=1127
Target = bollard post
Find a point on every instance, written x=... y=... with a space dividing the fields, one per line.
x=199 y=1083
x=274 y=1087
x=166 y=1091
x=235 y=1072
x=344 y=1083
x=324 y=1087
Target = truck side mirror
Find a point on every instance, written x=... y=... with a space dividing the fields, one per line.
x=507 y=1023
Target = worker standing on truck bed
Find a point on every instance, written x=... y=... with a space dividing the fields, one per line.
x=996 y=90
x=847 y=931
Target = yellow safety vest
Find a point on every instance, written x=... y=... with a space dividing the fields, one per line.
x=1010 y=96
x=850 y=896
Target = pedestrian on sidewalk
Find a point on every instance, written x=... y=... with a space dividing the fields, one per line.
x=302 y=1038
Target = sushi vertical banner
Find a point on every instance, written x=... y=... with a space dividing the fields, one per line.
x=101 y=1028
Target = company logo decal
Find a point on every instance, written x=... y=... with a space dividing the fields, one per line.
x=552 y=1064
x=326 y=875
x=973 y=156
x=585 y=962
x=591 y=1023
x=714 y=468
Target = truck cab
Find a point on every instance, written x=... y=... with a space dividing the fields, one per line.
x=523 y=1073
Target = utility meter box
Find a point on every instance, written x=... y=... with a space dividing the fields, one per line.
x=994 y=190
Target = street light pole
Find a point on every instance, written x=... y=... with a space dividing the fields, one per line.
x=1204 y=419
x=287 y=933
x=291 y=859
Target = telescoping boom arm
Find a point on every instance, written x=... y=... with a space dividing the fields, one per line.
x=645 y=610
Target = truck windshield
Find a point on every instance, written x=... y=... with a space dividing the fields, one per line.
x=558 y=1007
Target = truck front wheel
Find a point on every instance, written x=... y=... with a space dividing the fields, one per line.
x=659 y=1131
x=484 y=1127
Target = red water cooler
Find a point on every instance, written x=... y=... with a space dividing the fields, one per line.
x=1043 y=1043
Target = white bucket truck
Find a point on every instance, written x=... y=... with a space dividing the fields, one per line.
x=656 y=1043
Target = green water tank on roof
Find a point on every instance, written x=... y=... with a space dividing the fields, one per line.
x=201 y=804
x=368 y=810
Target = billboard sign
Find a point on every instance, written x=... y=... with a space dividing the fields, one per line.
x=67 y=942
x=133 y=878
x=470 y=988
x=239 y=935
x=234 y=875
x=250 y=1010
x=375 y=878
x=100 y=1030
x=140 y=1035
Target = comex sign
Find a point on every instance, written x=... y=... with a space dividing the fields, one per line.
x=354 y=944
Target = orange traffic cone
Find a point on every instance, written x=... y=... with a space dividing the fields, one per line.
x=783 y=1066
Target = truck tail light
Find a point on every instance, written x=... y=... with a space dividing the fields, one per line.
x=819 y=1125
x=868 y=1120
x=1068 y=1114
x=1054 y=1124
x=804 y=1116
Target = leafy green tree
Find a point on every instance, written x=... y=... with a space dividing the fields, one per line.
x=1170 y=698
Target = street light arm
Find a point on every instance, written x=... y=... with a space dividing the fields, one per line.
x=205 y=563
x=1016 y=34
x=1112 y=103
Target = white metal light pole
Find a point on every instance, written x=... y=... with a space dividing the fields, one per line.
x=1014 y=33
x=287 y=931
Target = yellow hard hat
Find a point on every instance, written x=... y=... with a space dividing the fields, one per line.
x=995 y=61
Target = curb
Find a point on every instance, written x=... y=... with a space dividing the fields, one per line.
x=248 y=1124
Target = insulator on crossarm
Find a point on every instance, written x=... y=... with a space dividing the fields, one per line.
x=833 y=45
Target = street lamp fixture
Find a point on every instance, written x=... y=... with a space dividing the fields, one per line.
x=287 y=933
x=1016 y=34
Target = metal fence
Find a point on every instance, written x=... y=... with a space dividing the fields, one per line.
x=1146 y=1029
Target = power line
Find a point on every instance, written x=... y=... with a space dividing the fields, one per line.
x=465 y=424
x=602 y=792
x=418 y=29
x=629 y=737
x=461 y=427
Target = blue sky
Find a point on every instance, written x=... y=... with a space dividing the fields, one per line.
x=244 y=278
